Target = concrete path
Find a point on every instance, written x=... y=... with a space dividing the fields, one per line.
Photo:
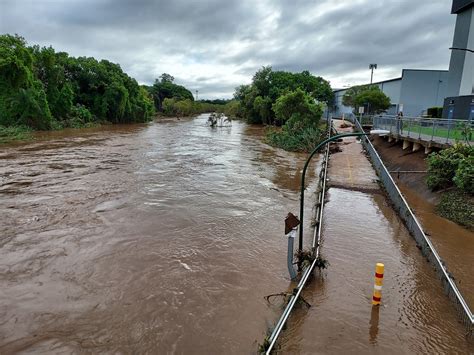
x=360 y=229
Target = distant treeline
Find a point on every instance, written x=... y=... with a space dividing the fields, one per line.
x=43 y=89
x=175 y=100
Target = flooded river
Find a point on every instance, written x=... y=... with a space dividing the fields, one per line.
x=165 y=238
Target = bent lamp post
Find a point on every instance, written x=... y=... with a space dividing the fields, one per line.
x=379 y=132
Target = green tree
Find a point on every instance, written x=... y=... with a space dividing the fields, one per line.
x=374 y=99
x=166 y=78
x=165 y=88
x=257 y=99
x=22 y=96
x=43 y=89
x=350 y=95
x=297 y=110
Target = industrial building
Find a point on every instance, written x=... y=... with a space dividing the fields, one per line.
x=413 y=93
x=417 y=90
x=460 y=101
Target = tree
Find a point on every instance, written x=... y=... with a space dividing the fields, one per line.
x=165 y=88
x=166 y=78
x=267 y=86
x=350 y=95
x=297 y=110
x=44 y=89
x=374 y=99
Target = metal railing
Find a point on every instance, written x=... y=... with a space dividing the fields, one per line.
x=438 y=130
x=315 y=246
x=428 y=250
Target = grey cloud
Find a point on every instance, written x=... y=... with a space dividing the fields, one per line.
x=216 y=45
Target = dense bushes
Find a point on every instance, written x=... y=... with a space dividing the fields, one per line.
x=453 y=166
x=458 y=207
x=42 y=89
x=164 y=88
x=182 y=108
x=300 y=117
x=293 y=101
x=257 y=99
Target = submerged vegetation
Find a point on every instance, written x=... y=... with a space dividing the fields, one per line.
x=453 y=169
x=42 y=89
x=457 y=207
x=8 y=134
x=290 y=102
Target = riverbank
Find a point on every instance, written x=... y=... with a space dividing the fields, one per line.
x=25 y=134
x=10 y=134
x=410 y=169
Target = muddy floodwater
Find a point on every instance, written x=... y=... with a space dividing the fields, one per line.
x=165 y=238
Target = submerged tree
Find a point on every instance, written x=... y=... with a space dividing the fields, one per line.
x=257 y=99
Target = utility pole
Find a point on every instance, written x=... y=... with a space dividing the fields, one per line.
x=372 y=67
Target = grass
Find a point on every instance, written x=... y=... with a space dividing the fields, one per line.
x=457 y=207
x=455 y=133
x=9 y=134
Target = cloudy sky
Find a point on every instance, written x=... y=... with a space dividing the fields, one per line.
x=214 y=45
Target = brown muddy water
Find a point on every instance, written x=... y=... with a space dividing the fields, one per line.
x=454 y=243
x=165 y=238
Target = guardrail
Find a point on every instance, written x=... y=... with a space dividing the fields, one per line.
x=315 y=246
x=416 y=230
x=442 y=131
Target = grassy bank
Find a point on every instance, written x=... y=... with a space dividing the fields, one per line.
x=457 y=207
x=9 y=134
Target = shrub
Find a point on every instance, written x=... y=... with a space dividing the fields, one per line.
x=444 y=166
x=304 y=140
x=464 y=178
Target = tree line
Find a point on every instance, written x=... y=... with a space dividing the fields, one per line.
x=171 y=99
x=43 y=89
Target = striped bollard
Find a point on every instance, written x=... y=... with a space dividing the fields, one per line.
x=377 y=297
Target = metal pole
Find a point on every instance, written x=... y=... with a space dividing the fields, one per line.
x=289 y=257
x=371 y=75
x=303 y=175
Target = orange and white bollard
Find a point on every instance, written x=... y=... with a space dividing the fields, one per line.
x=377 y=297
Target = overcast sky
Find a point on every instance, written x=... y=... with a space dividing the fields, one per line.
x=215 y=45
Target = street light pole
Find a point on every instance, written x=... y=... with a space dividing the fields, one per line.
x=372 y=67
x=303 y=175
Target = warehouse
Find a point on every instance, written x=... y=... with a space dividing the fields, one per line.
x=413 y=93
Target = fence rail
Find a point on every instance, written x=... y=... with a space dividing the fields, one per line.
x=412 y=224
x=315 y=246
x=442 y=131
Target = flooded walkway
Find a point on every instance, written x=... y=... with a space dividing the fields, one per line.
x=361 y=229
